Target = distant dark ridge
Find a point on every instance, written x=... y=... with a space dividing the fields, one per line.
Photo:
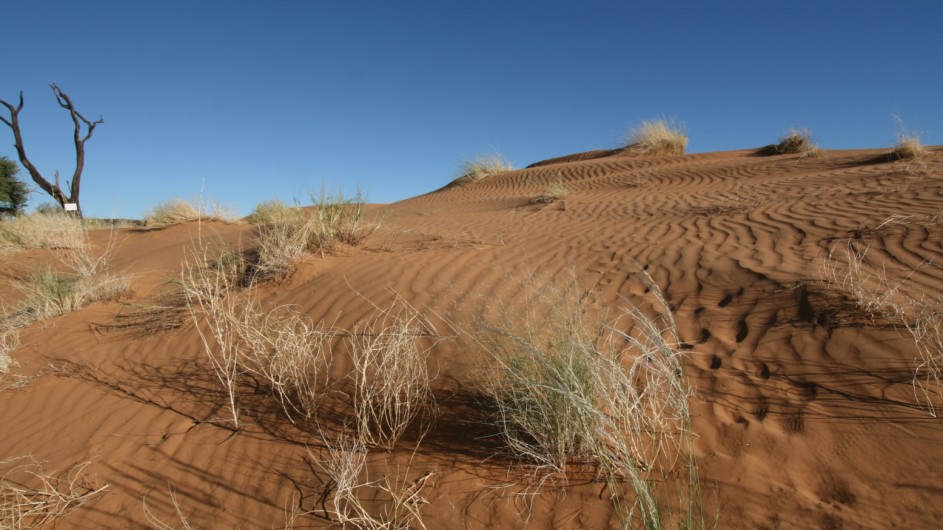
x=588 y=155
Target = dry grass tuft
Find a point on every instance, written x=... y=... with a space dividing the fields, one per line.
x=32 y=498
x=54 y=230
x=480 y=168
x=798 y=141
x=555 y=191
x=176 y=211
x=9 y=341
x=292 y=235
x=271 y=212
x=908 y=147
x=658 y=137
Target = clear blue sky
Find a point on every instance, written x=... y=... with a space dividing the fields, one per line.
x=260 y=100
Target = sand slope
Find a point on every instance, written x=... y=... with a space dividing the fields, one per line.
x=803 y=404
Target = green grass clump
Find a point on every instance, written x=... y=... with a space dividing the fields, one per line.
x=616 y=398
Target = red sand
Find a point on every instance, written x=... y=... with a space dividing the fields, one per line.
x=803 y=405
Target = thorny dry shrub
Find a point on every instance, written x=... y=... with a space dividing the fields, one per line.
x=481 y=167
x=798 y=141
x=32 y=498
x=396 y=501
x=391 y=378
x=658 y=137
x=615 y=397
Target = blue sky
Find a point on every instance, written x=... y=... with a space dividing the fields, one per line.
x=251 y=101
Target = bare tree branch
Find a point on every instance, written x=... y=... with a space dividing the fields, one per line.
x=55 y=190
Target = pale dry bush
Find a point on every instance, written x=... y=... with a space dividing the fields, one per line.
x=391 y=377
x=615 y=397
x=53 y=230
x=176 y=210
x=481 y=167
x=290 y=353
x=658 y=137
x=396 y=502
x=32 y=498
x=207 y=276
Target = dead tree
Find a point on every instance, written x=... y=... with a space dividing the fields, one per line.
x=55 y=190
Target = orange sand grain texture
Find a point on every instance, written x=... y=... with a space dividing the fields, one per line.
x=802 y=402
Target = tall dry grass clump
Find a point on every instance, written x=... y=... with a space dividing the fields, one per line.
x=176 y=210
x=53 y=230
x=797 y=141
x=32 y=498
x=658 y=137
x=908 y=147
x=615 y=397
x=480 y=168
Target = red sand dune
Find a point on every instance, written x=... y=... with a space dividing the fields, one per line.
x=803 y=405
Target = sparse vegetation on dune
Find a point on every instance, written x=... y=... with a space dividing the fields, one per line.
x=480 y=168
x=657 y=137
x=79 y=276
x=292 y=234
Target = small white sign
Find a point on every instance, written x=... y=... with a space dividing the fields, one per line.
x=71 y=207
